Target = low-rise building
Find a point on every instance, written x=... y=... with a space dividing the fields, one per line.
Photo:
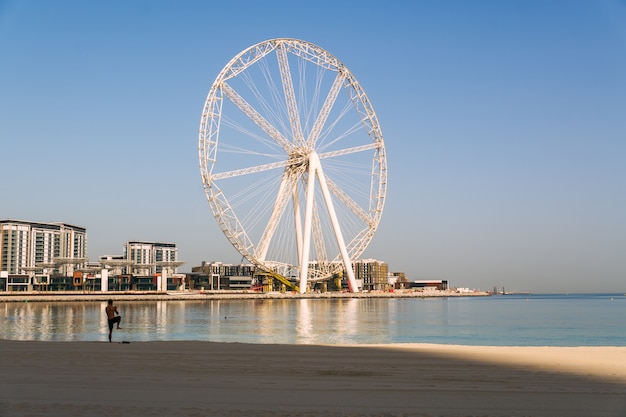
x=430 y=284
x=217 y=275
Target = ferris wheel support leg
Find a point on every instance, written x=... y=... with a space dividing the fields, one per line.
x=297 y=219
x=306 y=238
x=315 y=161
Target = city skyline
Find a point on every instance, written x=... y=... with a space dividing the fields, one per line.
x=503 y=124
x=142 y=252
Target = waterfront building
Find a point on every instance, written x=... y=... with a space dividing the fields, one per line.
x=222 y=269
x=430 y=284
x=31 y=252
x=239 y=282
x=220 y=276
x=398 y=280
x=150 y=257
x=372 y=274
x=145 y=266
x=116 y=264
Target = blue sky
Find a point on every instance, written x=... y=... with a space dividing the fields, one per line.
x=504 y=123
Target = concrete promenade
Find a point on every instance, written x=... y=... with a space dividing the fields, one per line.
x=47 y=296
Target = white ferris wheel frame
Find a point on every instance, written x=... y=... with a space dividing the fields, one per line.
x=301 y=164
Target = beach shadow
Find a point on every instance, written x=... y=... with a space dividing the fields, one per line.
x=232 y=379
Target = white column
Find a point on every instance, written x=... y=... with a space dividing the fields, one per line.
x=162 y=280
x=104 y=280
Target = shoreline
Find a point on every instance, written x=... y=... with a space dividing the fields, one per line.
x=238 y=379
x=47 y=296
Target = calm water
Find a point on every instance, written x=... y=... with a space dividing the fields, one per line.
x=536 y=320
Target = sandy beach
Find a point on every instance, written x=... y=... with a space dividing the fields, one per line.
x=224 y=379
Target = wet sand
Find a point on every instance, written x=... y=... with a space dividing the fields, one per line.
x=232 y=379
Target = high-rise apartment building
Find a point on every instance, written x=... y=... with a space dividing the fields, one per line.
x=26 y=247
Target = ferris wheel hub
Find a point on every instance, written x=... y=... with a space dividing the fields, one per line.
x=300 y=152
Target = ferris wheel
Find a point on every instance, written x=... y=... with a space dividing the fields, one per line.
x=293 y=161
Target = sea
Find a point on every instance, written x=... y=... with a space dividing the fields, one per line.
x=498 y=320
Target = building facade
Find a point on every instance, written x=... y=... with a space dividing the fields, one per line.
x=153 y=255
x=372 y=274
x=218 y=275
x=37 y=248
x=430 y=284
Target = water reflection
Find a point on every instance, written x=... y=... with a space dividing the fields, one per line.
x=161 y=324
x=497 y=321
x=304 y=328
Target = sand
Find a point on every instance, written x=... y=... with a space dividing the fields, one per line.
x=224 y=379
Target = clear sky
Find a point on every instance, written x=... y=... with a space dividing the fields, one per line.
x=504 y=123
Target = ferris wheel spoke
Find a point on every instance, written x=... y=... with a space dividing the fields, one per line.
x=348 y=201
x=284 y=192
x=290 y=96
x=255 y=169
x=325 y=111
x=318 y=236
x=347 y=151
x=256 y=117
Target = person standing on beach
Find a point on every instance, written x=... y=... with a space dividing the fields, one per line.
x=113 y=316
